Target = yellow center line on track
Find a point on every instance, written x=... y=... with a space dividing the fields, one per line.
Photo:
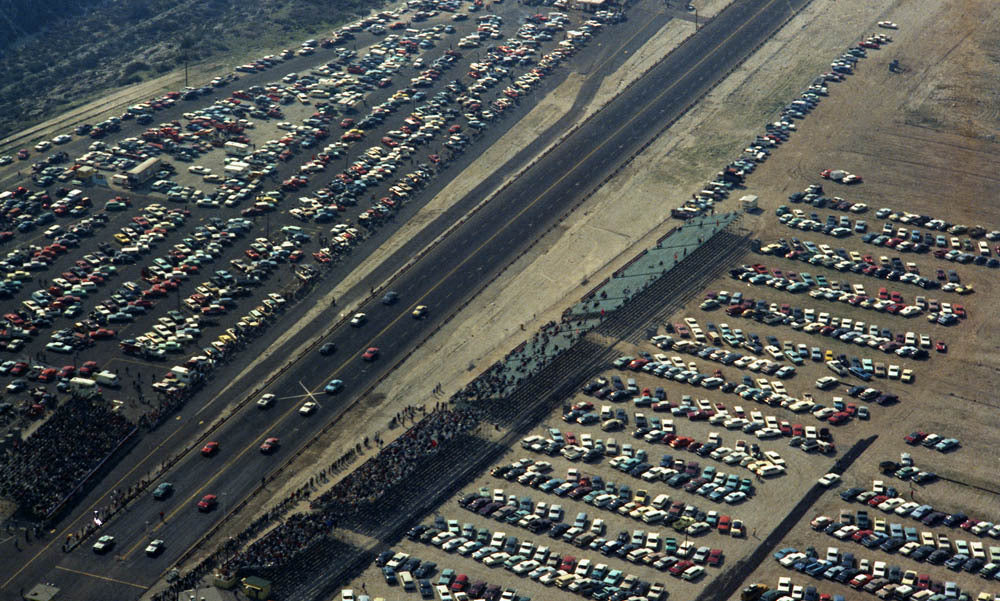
x=555 y=184
x=225 y=467
x=558 y=182
x=105 y=578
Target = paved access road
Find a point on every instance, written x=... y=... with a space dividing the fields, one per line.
x=443 y=279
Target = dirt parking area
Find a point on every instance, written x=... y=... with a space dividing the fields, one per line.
x=924 y=141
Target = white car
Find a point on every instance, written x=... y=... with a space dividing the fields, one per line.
x=358 y=320
x=265 y=401
x=199 y=170
x=735 y=497
x=104 y=544
x=829 y=479
x=154 y=548
x=308 y=407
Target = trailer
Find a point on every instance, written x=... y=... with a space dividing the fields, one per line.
x=83 y=388
x=237 y=149
x=143 y=172
x=749 y=203
x=107 y=378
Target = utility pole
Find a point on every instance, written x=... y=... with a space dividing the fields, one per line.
x=186 y=43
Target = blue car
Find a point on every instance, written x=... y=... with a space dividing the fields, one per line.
x=334 y=386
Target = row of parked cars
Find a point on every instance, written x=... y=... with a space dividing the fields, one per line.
x=772 y=393
x=925 y=513
x=891 y=269
x=775 y=133
x=901 y=239
x=537 y=561
x=638 y=505
x=878 y=578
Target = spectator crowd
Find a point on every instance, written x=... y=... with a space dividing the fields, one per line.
x=352 y=494
x=41 y=471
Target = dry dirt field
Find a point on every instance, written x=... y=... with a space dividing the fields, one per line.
x=925 y=142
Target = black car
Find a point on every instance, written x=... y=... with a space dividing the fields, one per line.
x=850 y=493
x=921 y=552
x=425 y=569
x=955 y=519
x=558 y=530
x=328 y=349
x=429 y=534
x=390 y=575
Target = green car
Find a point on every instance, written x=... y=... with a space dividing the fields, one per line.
x=163 y=491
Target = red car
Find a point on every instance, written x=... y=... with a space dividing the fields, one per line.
x=461 y=581
x=270 y=445
x=208 y=503
x=371 y=354
x=210 y=449
x=678 y=568
x=941 y=346
x=568 y=563
x=637 y=364
x=923 y=581
x=714 y=557
x=877 y=500
x=724 y=523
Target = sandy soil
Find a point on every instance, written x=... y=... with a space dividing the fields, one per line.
x=920 y=137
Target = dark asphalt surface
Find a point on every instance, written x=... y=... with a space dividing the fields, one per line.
x=444 y=279
x=34 y=563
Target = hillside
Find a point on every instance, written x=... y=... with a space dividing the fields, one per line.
x=61 y=52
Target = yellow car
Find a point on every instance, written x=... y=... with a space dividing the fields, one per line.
x=122 y=238
x=828 y=356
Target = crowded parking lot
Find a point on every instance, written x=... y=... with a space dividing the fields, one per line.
x=143 y=263
x=852 y=331
x=811 y=424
